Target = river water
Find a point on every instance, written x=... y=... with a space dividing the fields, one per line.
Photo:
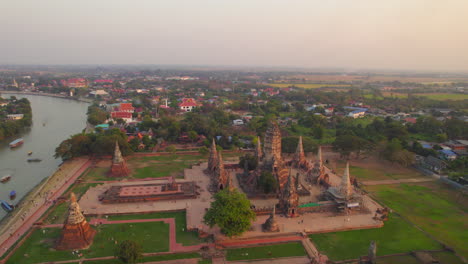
x=54 y=120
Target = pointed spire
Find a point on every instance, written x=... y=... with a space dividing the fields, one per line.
x=319 y=156
x=300 y=148
x=230 y=184
x=258 y=150
x=299 y=159
x=346 y=189
x=74 y=212
x=213 y=159
x=117 y=154
x=273 y=212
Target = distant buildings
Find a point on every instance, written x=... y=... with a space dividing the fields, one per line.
x=75 y=83
x=15 y=116
x=188 y=104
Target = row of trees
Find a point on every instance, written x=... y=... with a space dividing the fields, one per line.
x=9 y=128
x=93 y=144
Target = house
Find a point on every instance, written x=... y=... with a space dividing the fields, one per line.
x=99 y=92
x=126 y=107
x=126 y=116
x=447 y=154
x=75 y=83
x=188 y=104
x=411 y=120
x=3 y=104
x=357 y=113
x=237 y=122
x=15 y=116
x=432 y=163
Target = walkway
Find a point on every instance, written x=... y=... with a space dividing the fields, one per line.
x=28 y=222
x=382 y=182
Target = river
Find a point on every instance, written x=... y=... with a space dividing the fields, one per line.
x=54 y=120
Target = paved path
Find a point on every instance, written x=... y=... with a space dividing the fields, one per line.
x=29 y=221
x=382 y=182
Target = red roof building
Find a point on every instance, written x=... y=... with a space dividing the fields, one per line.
x=188 y=104
x=75 y=83
x=123 y=115
x=126 y=107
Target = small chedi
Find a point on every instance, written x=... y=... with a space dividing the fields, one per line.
x=76 y=231
x=270 y=224
x=119 y=166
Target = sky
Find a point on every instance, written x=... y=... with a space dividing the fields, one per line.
x=351 y=34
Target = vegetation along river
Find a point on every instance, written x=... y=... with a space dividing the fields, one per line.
x=54 y=120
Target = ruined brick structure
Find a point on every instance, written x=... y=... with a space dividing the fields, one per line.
x=76 y=232
x=213 y=159
x=289 y=200
x=119 y=166
x=270 y=224
x=299 y=160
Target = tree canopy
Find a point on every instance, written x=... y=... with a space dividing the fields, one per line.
x=231 y=211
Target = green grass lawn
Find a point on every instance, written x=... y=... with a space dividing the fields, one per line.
x=154 y=237
x=149 y=258
x=396 y=236
x=161 y=170
x=263 y=252
x=97 y=174
x=399 y=259
x=58 y=213
x=184 y=237
x=374 y=174
x=435 y=208
x=446 y=257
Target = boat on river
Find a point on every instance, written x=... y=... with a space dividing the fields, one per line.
x=5 y=178
x=6 y=206
x=12 y=195
x=34 y=160
x=16 y=143
x=29 y=153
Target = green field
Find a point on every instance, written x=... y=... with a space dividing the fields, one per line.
x=440 y=211
x=154 y=237
x=265 y=252
x=96 y=174
x=307 y=85
x=150 y=258
x=433 y=96
x=183 y=236
x=396 y=236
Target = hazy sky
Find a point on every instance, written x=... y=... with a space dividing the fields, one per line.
x=394 y=34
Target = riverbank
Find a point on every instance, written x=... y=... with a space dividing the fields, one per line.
x=86 y=100
x=38 y=200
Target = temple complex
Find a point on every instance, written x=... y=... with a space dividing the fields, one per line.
x=76 y=231
x=119 y=166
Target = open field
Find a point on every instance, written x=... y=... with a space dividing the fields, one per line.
x=433 y=96
x=186 y=238
x=396 y=236
x=154 y=237
x=438 y=210
x=307 y=85
x=371 y=169
x=264 y=252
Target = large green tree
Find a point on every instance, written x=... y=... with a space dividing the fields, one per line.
x=231 y=211
x=128 y=251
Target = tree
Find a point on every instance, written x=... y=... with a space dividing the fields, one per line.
x=268 y=182
x=171 y=149
x=128 y=251
x=231 y=211
x=192 y=135
x=251 y=161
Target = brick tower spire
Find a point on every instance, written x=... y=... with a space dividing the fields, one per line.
x=290 y=198
x=299 y=159
x=76 y=232
x=345 y=187
x=119 y=166
x=258 y=150
x=213 y=159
